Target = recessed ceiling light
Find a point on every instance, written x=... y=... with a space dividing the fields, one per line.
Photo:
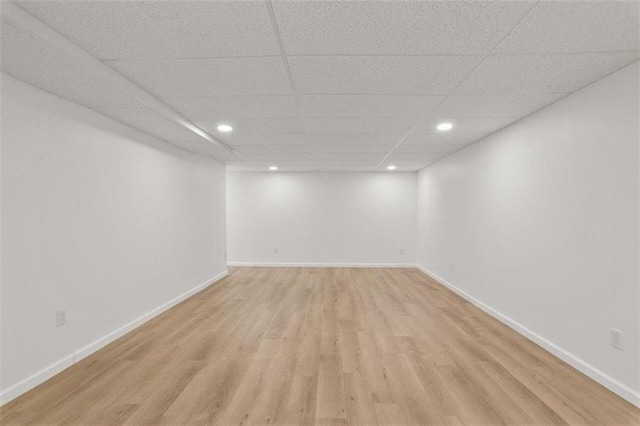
x=224 y=128
x=443 y=127
x=273 y=168
x=392 y=167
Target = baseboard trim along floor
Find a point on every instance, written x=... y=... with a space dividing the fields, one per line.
x=321 y=265
x=57 y=367
x=605 y=380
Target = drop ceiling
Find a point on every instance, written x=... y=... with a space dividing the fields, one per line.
x=325 y=86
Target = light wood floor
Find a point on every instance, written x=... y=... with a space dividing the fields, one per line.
x=321 y=346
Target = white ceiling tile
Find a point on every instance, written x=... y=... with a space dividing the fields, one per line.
x=583 y=70
x=242 y=133
x=473 y=105
x=470 y=137
x=301 y=163
x=379 y=74
x=214 y=28
x=105 y=29
x=252 y=149
x=413 y=156
x=430 y=138
x=542 y=73
x=528 y=104
x=207 y=77
x=429 y=126
x=27 y=60
x=356 y=155
x=290 y=149
x=388 y=125
x=345 y=164
x=575 y=26
x=295 y=157
x=493 y=124
x=438 y=148
x=333 y=125
x=461 y=27
x=234 y=140
x=263 y=158
x=286 y=139
x=354 y=139
x=512 y=73
x=151 y=123
x=265 y=126
x=347 y=148
x=234 y=107
x=368 y=105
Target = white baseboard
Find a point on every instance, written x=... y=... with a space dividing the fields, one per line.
x=322 y=265
x=605 y=380
x=46 y=373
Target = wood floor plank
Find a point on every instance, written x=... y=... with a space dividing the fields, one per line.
x=321 y=346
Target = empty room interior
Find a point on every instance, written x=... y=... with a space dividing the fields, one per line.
x=320 y=212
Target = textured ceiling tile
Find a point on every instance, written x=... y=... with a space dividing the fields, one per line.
x=105 y=29
x=413 y=156
x=429 y=125
x=430 y=138
x=470 y=137
x=415 y=75
x=355 y=138
x=286 y=139
x=240 y=127
x=344 y=148
x=295 y=156
x=356 y=155
x=234 y=107
x=368 y=105
x=388 y=125
x=275 y=125
x=331 y=27
x=252 y=149
x=333 y=125
x=438 y=148
x=151 y=123
x=493 y=124
x=584 y=69
x=207 y=77
x=290 y=149
x=473 y=105
x=528 y=104
x=234 y=140
x=27 y=60
x=242 y=134
x=575 y=26
x=265 y=158
x=512 y=73
x=214 y=28
x=345 y=164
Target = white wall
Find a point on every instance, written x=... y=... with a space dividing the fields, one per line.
x=322 y=218
x=539 y=222
x=98 y=219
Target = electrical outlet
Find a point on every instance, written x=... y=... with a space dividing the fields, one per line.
x=275 y=251
x=61 y=317
x=616 y=339
x=401 y=251
x=451 y=267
